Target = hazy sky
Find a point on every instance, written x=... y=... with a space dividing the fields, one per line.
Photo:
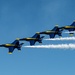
x=22 y=18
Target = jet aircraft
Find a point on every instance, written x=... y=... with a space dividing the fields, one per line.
x=33 y=39
x=53 y=32
x=70 y=28
x=12 y=46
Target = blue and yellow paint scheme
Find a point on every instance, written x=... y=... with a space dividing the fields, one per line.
x=33 y=39
x=53 y=32
x=69 y=28
x=12 y=46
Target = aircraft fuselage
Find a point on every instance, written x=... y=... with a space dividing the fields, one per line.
x=49 y=32
x=68 y=27
x=9 y=45
x=28 y=39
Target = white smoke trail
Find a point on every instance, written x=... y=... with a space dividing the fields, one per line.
x=60 y=46
x=64 y=38
x=70 y=32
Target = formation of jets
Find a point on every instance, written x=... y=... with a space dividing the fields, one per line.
x=37 y=38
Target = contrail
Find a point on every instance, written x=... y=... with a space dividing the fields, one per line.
x=70 y=32
x=63 y=38
x=59 y=46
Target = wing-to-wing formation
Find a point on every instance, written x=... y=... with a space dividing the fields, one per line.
x=38 y=38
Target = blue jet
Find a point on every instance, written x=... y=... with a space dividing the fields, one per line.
x=70 y=28
x=53 y=32
x=33 y=39
x=12 y=46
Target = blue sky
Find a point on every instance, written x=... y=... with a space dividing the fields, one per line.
x=22 y=18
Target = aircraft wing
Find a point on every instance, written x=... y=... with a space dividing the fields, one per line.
x=16 y=42
x=36 y=36
x=11 y=49
x=55 y=28
x=73 y=24
x=52 y=35
x=32 y=42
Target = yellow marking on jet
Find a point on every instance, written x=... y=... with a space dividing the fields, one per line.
x=74 y=20
x=69 y=26
x=49 y=31
x=56 y=25
x=9 y=52
x=31 y=38
x=9 y=45
x=17 y=38
x=71 y=34
x=37 y=32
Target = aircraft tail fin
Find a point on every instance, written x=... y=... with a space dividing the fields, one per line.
x=59 y=34
x=21 y=44
x=19 y=47
x=41 y=38
x=55 y=28
x=73 y=24
x=72 y=29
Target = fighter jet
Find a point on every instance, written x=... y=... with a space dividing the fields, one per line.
x=12 y=46
x=70 y=28
x=53 y=32
x=33 y=39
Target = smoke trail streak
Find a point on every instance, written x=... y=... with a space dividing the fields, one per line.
x=70 y=32
x=59 y=46
x=63 y=38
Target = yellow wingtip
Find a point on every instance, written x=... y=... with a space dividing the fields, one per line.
x=17 y=38
x=9 y=52
x=37 y=32
x=71 y=34
x=56 y=25
x=74 y=21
